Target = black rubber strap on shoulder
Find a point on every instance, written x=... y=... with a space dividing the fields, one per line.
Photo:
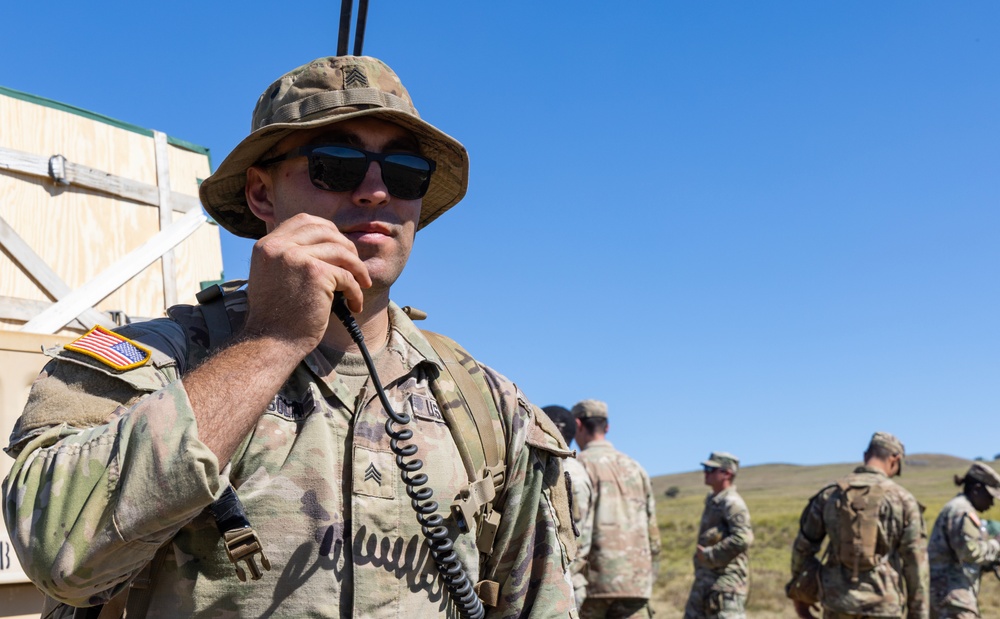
x=228 y=512
x=213 y=309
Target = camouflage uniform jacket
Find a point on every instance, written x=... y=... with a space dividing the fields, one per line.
x=87 y=507
x=625 y=540
x=898 y=586
x=726 y=535
x=959 y=551
x=583 y=499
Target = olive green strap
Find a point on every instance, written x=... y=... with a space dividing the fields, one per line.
x=140 y=592
x=114 y=607
x=471 y=413
x=477 y=410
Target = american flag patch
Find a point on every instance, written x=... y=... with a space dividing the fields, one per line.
x=110 y=349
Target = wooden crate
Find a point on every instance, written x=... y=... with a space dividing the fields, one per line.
x=122 y=189
x=100 y=223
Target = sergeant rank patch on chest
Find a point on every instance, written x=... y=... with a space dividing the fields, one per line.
x=111 y=349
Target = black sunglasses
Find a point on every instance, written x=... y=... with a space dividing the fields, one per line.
x=711 y=469
x=342 y=168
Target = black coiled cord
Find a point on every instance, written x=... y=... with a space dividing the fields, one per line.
x=431 y=523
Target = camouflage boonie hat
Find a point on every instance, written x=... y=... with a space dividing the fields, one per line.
x=590 y=408
x=722 y=460
x=987 y=476
x=327 y=91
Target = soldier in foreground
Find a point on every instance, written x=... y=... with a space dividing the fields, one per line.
x=876 y=564
x=583 y=499
x=625 y=544
x=960 y=549
x=721 y=563
x=128 y=437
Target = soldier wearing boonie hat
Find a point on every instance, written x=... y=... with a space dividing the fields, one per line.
x=322 y=93
x=721 y=563
x=963 y=546
x=624 y=542
x=338 y=173
x=876 y=560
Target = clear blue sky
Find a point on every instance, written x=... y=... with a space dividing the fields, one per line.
x=769 y=228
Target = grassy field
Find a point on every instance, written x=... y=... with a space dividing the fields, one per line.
x=776 y=494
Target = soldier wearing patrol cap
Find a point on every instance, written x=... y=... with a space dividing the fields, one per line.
x=962 y=547
x=625 y=542
x=721 y=564
x=876 y=559
x=266 y=394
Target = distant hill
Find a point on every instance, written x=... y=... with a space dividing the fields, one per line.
x=776 y=494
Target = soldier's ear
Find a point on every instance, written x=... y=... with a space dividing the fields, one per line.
x=259 y=194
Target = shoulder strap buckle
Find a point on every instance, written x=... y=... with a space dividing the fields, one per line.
x=242 y=545
x=477 y=495
x=475 y=504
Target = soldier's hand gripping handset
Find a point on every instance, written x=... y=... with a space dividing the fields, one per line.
x=294 y=271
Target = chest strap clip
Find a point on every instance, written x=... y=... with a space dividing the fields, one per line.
x=241 y=541
x=242 y=545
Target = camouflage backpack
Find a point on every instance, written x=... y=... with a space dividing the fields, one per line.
x=857 y=507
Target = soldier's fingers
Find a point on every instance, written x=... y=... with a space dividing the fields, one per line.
x=345 y=282
x=336 y=253
x=306 y=229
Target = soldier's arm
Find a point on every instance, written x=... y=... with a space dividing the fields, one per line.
x=738 y=540
x=121 y=460
x=534 y=544
x=812 y=531
x=87 y=507
x=913 y=553
x=583 y=498
x=654 y=527
x=966 y=540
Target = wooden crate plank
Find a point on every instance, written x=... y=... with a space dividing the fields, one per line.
x=163 y=187
x=77 y=175
x=57 y=316
x=36 y=268
x=23 y=310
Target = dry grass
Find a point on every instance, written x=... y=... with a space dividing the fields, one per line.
x=776 y=494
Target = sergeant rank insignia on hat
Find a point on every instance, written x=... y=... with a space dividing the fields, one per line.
x=111 y=349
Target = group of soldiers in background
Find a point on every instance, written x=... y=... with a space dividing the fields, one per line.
x=877 y=561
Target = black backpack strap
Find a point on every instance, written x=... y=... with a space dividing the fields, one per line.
x=213 y=309
x=242 y=542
